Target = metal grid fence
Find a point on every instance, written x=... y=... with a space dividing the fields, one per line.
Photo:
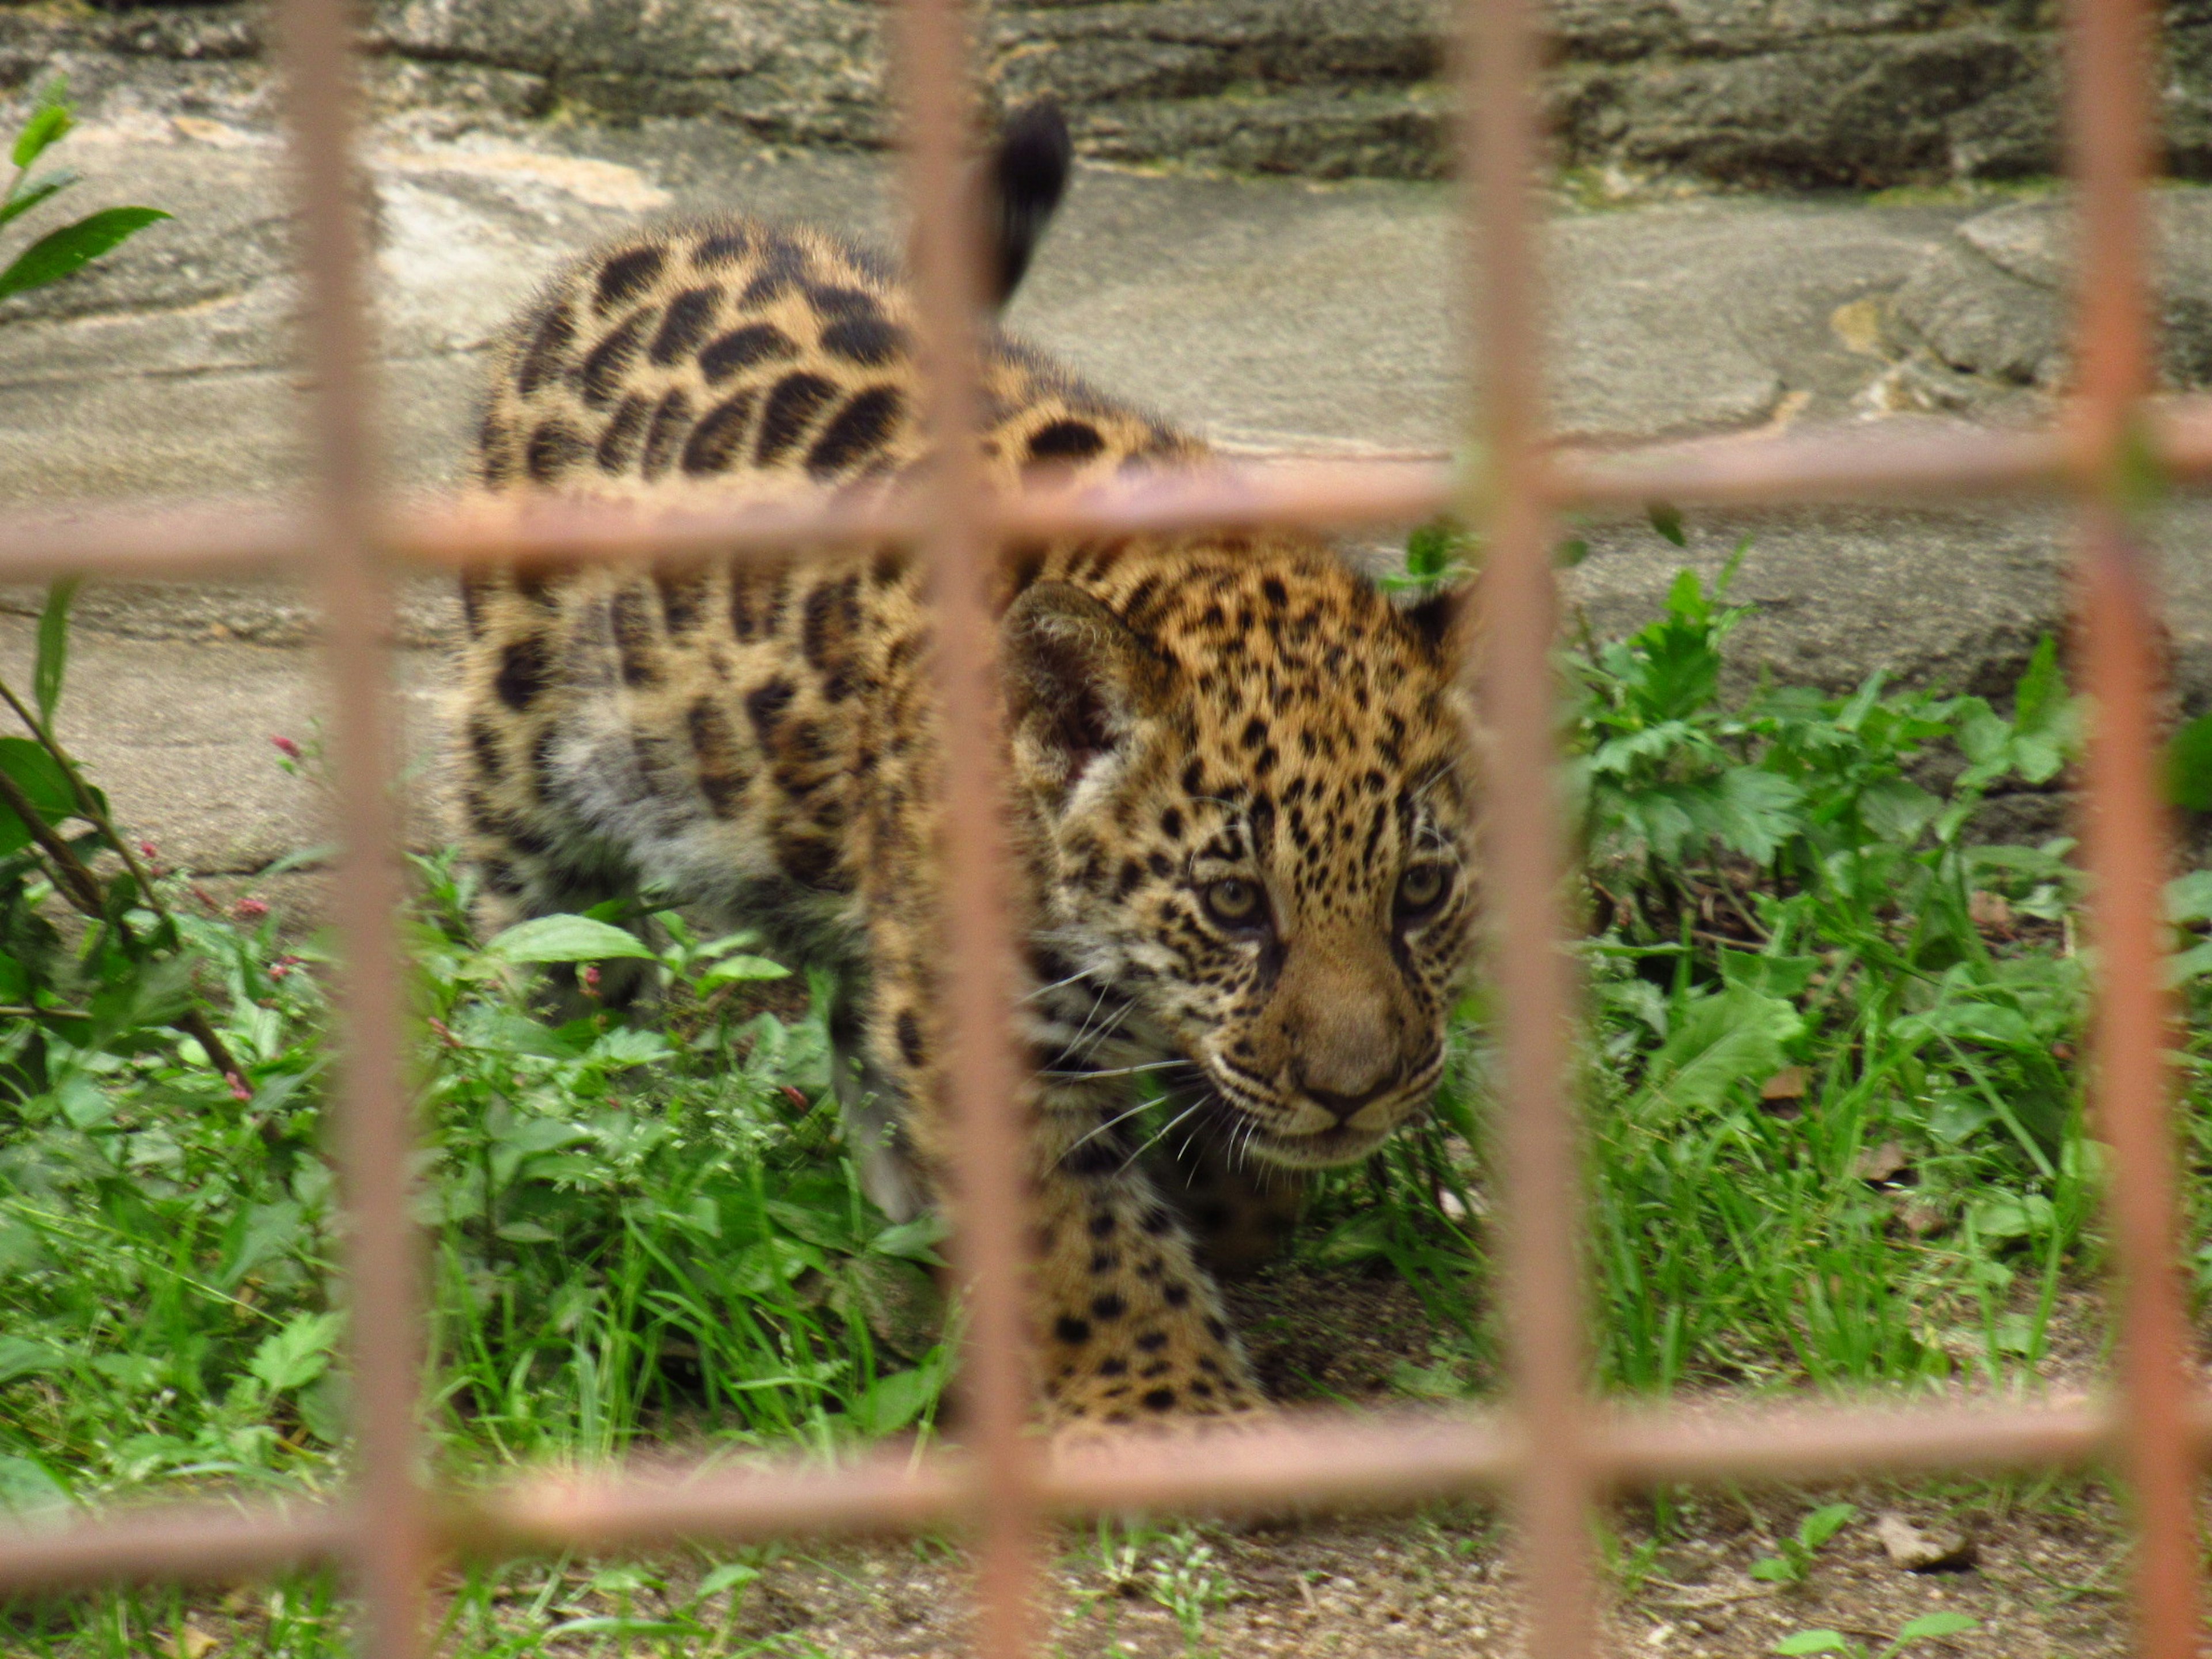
x=1551 y=1451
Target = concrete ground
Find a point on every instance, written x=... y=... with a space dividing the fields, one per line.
x=1276 y=316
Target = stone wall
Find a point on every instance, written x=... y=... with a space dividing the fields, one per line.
x=1769 y=93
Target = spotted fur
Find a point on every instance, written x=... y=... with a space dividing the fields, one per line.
x=1240 y=788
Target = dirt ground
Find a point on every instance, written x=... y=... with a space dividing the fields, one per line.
x=2038 y=1563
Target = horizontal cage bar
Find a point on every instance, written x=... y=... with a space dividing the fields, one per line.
x=1316 y=1460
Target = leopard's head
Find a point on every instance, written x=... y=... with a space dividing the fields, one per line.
x=1250 y=799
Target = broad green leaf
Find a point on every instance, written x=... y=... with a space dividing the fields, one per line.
x=296 y=1355
x=1667 y=520
x=1729 y=1037
x=565 y=939
x=1813 y=1641
x=26 y=1485
x=743 y=967
x=1930 y=1626
x=263 y=1233
x=2189 y=898
x=916 y=1240
x=731 y=1575
x=1896 y=810
x=27 y=193
x=49 y=122
x=53 y=647
x=1779 y=976
x=896 y=1401
x=62 y=252
x=1823 y=1524
x=2040 y=696
x=20 y=1357
x=1773 y=1570
x=2189 y=765
x=39 y=776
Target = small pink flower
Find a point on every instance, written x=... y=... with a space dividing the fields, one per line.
x=286 y=747
x=252 y=909
x=146 y=850
x=590 y=979
x=238 y=1092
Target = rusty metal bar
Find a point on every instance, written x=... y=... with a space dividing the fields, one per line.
x=1524 y=841
x=2110 y=46
x=1552 y=1450
x=978 y=1075
x=391 y=1548
x=254 y=537
x=1310 y=1463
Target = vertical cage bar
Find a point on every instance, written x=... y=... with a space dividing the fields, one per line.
x=389 y=1549
x=2110 y=89
x=1525 y=866
x=979 y=1076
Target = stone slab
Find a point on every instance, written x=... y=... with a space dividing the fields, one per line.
x=1276 y=315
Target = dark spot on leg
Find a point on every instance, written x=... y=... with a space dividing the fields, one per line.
x=522 y=667
x=1152 y=1341
x=790 y=406
x=599 y=377
x=857 y=431
x=1108 y=1306
x=635 y=645
x=682 y=597
x=1068 y=1329
x=765 y=704
x=782 y=267
x=721 y=247
x=1102 y=1225
x=832 y=301
x=554 y=448
x=690 y=314
x=722 y=776
x=1177 y=1295
x=667 y=434
x=909 y=1038
x=1114 y=1367
x=625 y=277
x=719 y=435
x=1097 y=1157
x=1104 y=1262
x=618 y=441
x=1066 y=440
x=740 y=349
x=484 y=745
x=870 y=341
x=495 y=450
x=547 y=358
x=1159 y=1400
x=499 y=875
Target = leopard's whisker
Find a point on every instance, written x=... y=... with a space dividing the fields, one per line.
x=1118 y=1071
x=1106 y=1124
x=1154 y=1138
x=1061 y=984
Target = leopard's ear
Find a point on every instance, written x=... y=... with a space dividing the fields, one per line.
x=1442 y=620
x=1078 y=682
x=1022 y=185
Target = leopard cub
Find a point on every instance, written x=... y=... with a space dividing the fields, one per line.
x=1240 y=786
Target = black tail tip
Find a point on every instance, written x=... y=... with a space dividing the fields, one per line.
x=1027 y=176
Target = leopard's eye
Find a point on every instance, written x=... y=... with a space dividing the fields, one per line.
x=1235 y=902
x=1420 y=889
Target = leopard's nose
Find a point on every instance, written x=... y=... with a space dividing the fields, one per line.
x=1344 y=1107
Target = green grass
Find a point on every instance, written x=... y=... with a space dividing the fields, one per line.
x=1835 y=1139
